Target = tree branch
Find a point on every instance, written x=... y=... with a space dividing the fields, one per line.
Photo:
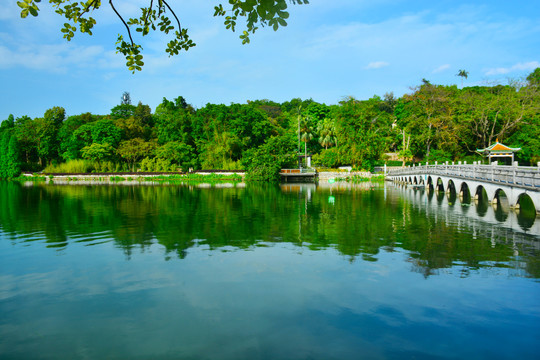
x=121 y=18
x=86 y=9
x=171 y=10
x=148 y=13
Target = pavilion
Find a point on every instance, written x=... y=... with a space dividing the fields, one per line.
x=498 y=150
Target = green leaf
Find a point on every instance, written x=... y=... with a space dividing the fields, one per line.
x=283 y=14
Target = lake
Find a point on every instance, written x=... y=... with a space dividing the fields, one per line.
x=234 y=271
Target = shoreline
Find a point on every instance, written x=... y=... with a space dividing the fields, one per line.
x=200 y=176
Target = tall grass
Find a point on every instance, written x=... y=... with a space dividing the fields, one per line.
x=86 y=166
x=71 y=167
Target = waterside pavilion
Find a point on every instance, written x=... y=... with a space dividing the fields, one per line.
x=498 y=150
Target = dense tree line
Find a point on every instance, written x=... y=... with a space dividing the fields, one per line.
x=433 y=122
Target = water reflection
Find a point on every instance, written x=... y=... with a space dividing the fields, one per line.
x=343 y=271
x=360 y=221
x=498 y=214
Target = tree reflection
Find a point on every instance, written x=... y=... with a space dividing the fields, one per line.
x=359 y=222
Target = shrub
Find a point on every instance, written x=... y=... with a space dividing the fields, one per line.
x=267 y=160
x=327 y=158
x=156 y=165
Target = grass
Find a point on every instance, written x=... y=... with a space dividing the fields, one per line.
x=212 y=178
x=117 y=178
x=30 y=178
x=359 y=179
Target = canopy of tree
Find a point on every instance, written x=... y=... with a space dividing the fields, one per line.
x=158 y=15
x=433 y=122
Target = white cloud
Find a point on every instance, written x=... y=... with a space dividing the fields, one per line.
x=377 y=65
x=441 y=68
x=51 y=58
x=528 y=66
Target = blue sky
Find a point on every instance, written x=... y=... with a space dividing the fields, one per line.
x=331 y=49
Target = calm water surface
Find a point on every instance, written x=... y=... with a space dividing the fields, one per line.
x=292 y=272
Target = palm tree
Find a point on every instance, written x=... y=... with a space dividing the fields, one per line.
x=306 y=133
x=327 y=133
x=462 y=74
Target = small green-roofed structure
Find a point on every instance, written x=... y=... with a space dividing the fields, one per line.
x=498 y=150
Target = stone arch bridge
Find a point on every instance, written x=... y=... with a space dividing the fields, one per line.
x=513 y=182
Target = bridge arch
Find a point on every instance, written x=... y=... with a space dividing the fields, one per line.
x=502 y=198
x=480 y=193
x=450 y=186
x=464 y=191
x=525 y=201
x=440 y=184
x=429 y=183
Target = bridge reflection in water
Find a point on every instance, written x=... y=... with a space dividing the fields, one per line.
x=481 y=218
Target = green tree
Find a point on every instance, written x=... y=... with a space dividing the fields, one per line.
x=46 y=131
x=155 y=16
x=132 y=127
x=177 y=153
x=490 y=113
x=266 y=161
x=327 y=133
x=97 y=152
x=8 y=123
x=13 y=166
x=427 y=117
x=9 y=154
x=361 y=129
x=123 y=111
x=316 y=112
x=55 y=114
x=143 y=114
x=222 y=134
x=173 y=121
x=106 y=132
x=69 y=135
x=27 y=135
x=47 y=141
x=135 y=149
x=4 y=148
x=534 y=77
x=223 y=152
